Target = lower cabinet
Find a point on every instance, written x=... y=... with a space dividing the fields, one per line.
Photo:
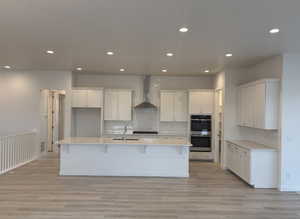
x=257 y=167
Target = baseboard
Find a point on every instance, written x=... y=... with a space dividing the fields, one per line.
x=285 y=188
x=201 y=156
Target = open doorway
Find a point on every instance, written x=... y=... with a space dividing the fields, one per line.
x=52 y=119
x=218 y=141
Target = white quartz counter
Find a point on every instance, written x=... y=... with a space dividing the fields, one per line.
x=250 y=145
x=161 y=141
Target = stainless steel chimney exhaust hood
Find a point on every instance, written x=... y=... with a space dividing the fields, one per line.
x=146 y=104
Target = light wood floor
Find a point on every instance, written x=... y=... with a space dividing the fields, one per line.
x=36 y=191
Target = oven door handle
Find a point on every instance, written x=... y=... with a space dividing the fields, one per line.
x=201 y=136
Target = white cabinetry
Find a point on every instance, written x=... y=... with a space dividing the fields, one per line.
x=87 y=98
x=258 y=104
x=118 y=105
x=201 y=101
x=173 y=106
x=255 y=164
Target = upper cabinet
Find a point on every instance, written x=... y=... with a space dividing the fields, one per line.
x=258 y=104
x=118 y=105
x=201 y=101
x=87 y=98
x=173 y=106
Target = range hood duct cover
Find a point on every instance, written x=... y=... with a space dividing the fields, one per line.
x=146 y=104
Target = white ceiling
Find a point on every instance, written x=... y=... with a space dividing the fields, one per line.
x=140 y=32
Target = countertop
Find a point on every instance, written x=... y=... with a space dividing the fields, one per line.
x=159 y=141
x=250 y=145
x=160 y=134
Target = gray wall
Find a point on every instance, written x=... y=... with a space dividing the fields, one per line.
x=20 y=98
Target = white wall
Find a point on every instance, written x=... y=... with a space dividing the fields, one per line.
x=231 y=130
x=20 y=98
x=290 y=120
x=270 y=68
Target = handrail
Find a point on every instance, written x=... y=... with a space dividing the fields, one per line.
x=17 y=150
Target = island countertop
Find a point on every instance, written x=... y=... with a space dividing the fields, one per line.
x=159 y=141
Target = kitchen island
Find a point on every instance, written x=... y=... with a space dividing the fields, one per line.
x=156 y=157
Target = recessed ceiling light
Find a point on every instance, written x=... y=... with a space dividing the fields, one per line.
x=169 y=54
x=122 y=69
x=50 y=51
x=164 y=70
x=183 y=29
x=228 y=54
x=207 y=71
x=79 y=69
x=7 y=67
x=110 y=53
x=274 y=30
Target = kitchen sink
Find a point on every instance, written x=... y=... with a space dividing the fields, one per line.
x=132 y=139
x=125 y=139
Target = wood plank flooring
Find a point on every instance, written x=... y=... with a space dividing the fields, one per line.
x=35 y=191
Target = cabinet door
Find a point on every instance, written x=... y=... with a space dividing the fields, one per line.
x=229 y=156
x=207 y=102
x=167 y=106
x=79 y=98
x=240 y=163
x=239 y=106
x=195 y=103
x=260 y=104
x=246 y=166
x=125 y=105
x=180 y=106
x=201 y=102
x=111 y=105
x=235 y=160
x=95 y=98
x=252 y=105
x=243 y=105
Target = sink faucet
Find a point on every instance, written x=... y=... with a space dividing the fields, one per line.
x=125 y=130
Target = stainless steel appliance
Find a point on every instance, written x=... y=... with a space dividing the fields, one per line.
x=145 y=132
x=201 y=133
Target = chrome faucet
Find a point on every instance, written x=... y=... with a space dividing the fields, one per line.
x=125 y=130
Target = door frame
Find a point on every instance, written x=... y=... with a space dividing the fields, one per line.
x=219 y=108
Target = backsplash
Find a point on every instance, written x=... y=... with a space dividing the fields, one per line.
x=165 y=128
x=117 y=127
x=266 y=137
x=146 y=120
x=173 y=128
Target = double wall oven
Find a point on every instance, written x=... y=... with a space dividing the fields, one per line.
x=201 y=126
